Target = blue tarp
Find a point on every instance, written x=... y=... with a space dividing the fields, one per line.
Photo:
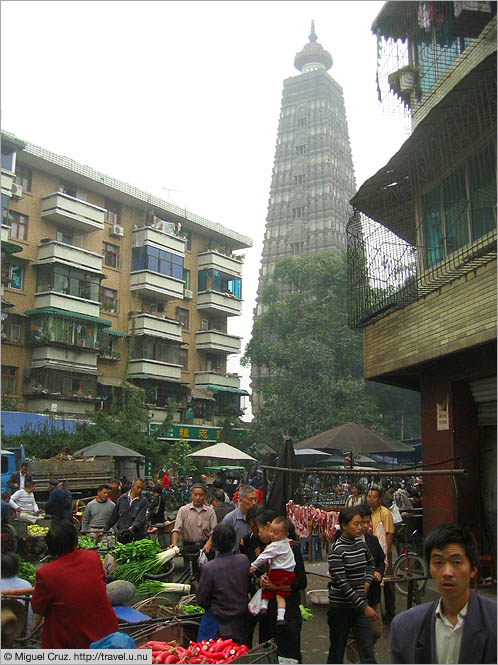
x=13 y=421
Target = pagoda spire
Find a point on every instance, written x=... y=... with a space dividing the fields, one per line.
x=312 y=36
x=313 y=56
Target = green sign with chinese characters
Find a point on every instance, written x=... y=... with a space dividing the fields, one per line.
x=148 y=468
x=196 y=433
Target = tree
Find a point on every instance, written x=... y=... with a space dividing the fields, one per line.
x=313 y=359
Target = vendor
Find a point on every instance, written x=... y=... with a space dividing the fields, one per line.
x=70 y=593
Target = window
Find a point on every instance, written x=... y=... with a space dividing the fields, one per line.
x=65 y=236
x=69 y=189
x=297 y=248
x=186 y=278
x=150 y=348
x=113 y=211
x=12 y=328
x=298 y=212
x=8 y=155
x=109 y=300
x=9 y=380
x=5 y=208
x=157 y=260
x=214 y=363
x=215 y=280
x=13 y=275
x=461 y=208
x=23 y=178
x=300 y=149
x=70 y=281
x=299 y=179
x=214 y=324
x=148 y=307
x=18 y=225
x=182 y=316
x=183 y=358
x=110 y=254
x=301 y=122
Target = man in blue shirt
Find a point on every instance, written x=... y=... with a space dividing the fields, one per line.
x=55 y=502
x=237 y=518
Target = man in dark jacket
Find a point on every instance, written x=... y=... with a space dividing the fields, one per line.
x=129 y=514
x=373 y=595
x=18 y=479
x=55 y=502
x=68 y=501
x=460 y=627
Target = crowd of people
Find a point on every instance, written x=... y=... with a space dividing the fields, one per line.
x=252 y=549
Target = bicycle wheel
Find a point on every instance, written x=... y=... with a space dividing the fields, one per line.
x=411 y=565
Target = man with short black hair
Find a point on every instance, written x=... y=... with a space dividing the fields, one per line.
x=382 y=515
x=55 y=503
x=23 y=502
x=129 y=514
x=220 y=507
x=18 y=479
x=97 y=512
x=460 y=627
x=195 y=521
x=68 y=501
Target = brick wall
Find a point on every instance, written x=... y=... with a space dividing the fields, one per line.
x=457 y=316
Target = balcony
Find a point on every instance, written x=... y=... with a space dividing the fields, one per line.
x=67 y=302
x=72 y=213
x=213 y=259
x=8 y=247
x=8 y=179
x=154 y=236
x=209 y=378
x=147 y=324
x=154 y=369
x=81 y=258
x=154 y=286
x=64 y=359
x=215 y=303
x=213 y=340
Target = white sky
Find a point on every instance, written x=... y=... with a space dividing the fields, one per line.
x=186 y=96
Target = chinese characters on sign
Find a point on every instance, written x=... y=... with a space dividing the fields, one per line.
x=442 y=414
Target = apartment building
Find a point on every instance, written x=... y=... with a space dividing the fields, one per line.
x=101 y=279
x=422 y=249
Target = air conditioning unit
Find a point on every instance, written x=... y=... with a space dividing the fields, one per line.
x=117 y=231
x=16 y=191
x=187 y=294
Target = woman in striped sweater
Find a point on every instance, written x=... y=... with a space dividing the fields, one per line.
x=351 y=568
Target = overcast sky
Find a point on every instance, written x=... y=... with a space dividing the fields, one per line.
x=182 y=98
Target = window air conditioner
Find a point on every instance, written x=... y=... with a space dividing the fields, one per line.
x=187 y=294
x=117 y=230
x=16 y=191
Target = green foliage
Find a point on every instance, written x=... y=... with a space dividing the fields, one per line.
x=42 y=440
x=10 y=403
x=177 y=459
x=313 y=359
x=227 y=435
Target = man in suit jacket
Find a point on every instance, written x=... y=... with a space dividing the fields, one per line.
x=129 y=513
x=461 y=626
x=18 y=479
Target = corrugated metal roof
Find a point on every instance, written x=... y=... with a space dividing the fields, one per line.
x=67 y=314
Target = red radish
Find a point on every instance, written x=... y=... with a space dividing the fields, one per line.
x=171 y=659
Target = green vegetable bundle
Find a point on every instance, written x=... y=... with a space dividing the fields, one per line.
x=306 y=613
x=135 y=559
x=149 y=587
x=192 y=609
x=85 y=542
x=26 y=570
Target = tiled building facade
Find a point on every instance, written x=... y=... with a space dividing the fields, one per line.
x=95 y=270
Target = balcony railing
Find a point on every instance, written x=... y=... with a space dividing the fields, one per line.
x=73 y=213
x=153 y=236
x=205 y=378
x=213 y=340
x=385 y=273
x=155 y=326
x=218 y=261
x=58 y=251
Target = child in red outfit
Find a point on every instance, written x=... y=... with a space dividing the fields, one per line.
x=278 y=554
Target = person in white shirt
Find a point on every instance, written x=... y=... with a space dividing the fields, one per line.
x=23 y=502
x=278 y=554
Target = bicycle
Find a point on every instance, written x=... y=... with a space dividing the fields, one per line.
x=409 y=564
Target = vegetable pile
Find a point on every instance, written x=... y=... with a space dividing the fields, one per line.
x=212 y=651
x=36 y=530
x=26 y=570
x=137 y=558
x=85 y=542
x=192 y=609
x=306 y=613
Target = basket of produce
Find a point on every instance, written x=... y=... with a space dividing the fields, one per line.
x=36 y=531
x=135 y=560
x=211 y=651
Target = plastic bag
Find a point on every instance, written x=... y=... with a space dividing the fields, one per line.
x=396 y=514
x=256 y=602
x=202 y=558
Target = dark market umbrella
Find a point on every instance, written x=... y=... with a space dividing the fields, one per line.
x=284 y=483
x=355 y=438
